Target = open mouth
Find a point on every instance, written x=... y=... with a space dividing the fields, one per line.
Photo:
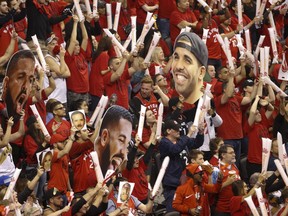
x=116 y=162
x=180 y=77
x=20 y=103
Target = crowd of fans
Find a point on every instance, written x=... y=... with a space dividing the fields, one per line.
x=221 y=100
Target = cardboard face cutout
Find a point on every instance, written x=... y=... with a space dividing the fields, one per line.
x=44 y=159
x=125 y=191
x=78 y=119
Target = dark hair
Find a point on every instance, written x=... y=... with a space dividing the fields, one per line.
x=223 y=149
x=193 y=154
x=154 y=78
x=104 y=44
x=76 y=105
x=113 y=116
x=213 y=144
x=233 y=3
x=118 y=180
x=237 y=188
x=36 y=134
x=77 y=112
x=54 y=104
x=111 y=59
x=22 y=54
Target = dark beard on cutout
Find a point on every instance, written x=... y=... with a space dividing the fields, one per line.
x=105 y=160
x=11 y=108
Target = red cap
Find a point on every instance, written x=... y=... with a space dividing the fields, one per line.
x=194 y=168
x=57 y=138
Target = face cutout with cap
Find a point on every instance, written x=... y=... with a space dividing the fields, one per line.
x=187 y=72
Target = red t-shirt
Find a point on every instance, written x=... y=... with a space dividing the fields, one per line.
x=21 y=27
x=225 y=195
x=137 y=175
x=233 y=45
x=96 y=78
x=177 y=17
x=141 y=13
x=166 y=8
x=64 y=128
x=255 y=134
x=5 y=38
x=231 y=114
x=238 y=208
x=119 y=87
x=59 y=173
x=30 y=147
x=83 y=166
x=78 y=81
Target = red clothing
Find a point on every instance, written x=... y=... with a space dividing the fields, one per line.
x=186 y=197
x=55 y=9
x=166 y=8
x=225 y=195
x=59 y=172
x=255 y=134
x=238 y=208
x=213 y=46
x=177 y=17
x=214 y=161
x=5 y=37
x=96 y=78
x=78 y=82
x=64 y=128
x=119 y=87
x=234 y=20
x=83 y=166
x=137 y=175
x=124 y=19
x=30 y=147
x=141 y=13
x=233 y=44
x=21 y=27
x=231 y=114
x=152 y=104
x=41 y=107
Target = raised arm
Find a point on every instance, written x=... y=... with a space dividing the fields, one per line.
x=84 y=43
x=73 y=38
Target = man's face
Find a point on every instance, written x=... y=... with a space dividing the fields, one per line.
x=78 y=120
x=116 y=145
x=183 y=5
x=186 y=71
x=125 y=193
x=17 y=86
x=115 y=64
x=229 y=156
x=59 y=110
x=211 y=71
x=223 y=75
x=199 y=159
x=57 y=201
x=14 y=4
x=4 y=9
x=146 y=89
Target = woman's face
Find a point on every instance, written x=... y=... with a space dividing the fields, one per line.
x=245 y=188
x=47 y=161
x=84 y=106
